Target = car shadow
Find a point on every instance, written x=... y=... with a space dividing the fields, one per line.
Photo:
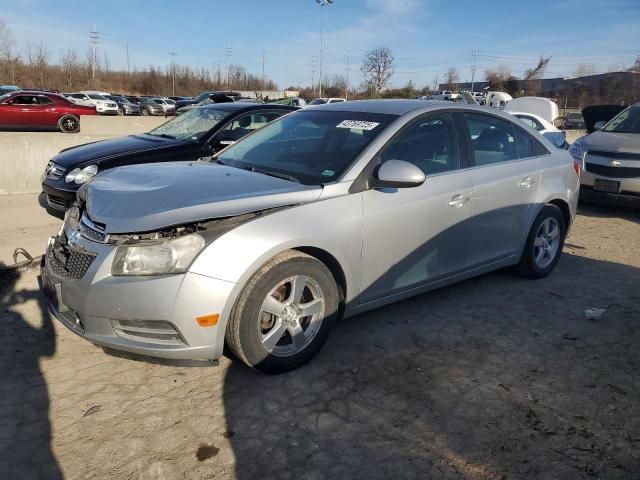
x=25 y=432
x=608 y=211
x=494 y=377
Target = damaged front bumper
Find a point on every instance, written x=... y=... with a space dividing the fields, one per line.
x=151 y=315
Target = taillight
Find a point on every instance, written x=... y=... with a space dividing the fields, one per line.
x=576 y=167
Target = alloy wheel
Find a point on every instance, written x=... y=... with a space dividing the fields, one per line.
x=546 y=243
x=291 y=315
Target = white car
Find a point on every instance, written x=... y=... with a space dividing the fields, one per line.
x=553 y=134
x=103 y=105
x=168 y=105
x=323 y=100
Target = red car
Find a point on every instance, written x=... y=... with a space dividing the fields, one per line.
x=35 y=110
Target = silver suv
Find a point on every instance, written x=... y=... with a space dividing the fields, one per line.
x=611 y=160
x=328 y=211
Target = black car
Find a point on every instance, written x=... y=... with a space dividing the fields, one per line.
x=196 y=134
x=204 y=95
x=573 y=121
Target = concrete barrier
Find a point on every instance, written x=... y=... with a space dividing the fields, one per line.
x=23 y=155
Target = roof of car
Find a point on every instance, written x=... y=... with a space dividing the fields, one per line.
x=393 y=107
x=234 y=106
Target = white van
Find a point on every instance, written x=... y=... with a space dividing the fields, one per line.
x=498 y=99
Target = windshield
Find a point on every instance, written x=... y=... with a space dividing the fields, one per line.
x=627 y=121
x=574 y=116
x=313 y=147
x=318 y=101
x=191 y=126
x=97 y=97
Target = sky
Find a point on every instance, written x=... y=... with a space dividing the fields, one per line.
x=426 y=37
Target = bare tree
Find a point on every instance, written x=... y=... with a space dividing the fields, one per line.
x=7 y=60
x=635 y=67
x=585 y=69
x=38 y=59
x=452 y=77
x=536 y=73
x=498 y=78
x=70 y=65
x=377 y=67
x=435 y=83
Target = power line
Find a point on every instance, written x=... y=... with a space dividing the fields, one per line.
x=94 y=40
x=228 y=52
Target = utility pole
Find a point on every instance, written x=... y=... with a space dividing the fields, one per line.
x=263 y=77
x=346 y=90
x=173 y=72
x=128 y=63
x=313 y=74
x=228 y=52
x=94 y=38
x=322 y=3
x=473 y=69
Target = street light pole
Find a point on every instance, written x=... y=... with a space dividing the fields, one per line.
x=173 y=73
x=322 y=3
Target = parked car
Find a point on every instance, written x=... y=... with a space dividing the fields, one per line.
x=207 y=101
x=610 y=155
x=35 y=110
x=168 y=105
x=572 y=121
x=102 y=104
x=550 y=131
x=444 y=95
x=199 y=133
x=204 y=95
x=497 y=99
x=293 y=101
x=8 y=88
x=149 y=106
x=322 y=101
x=133 y=99
x=125 y=107
x=329 y=211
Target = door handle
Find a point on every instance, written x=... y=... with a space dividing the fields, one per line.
x=526 y=182
x=458 y=200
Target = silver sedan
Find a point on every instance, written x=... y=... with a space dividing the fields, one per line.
x=325 y=213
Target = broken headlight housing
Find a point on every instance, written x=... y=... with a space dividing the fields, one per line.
x=157 y=257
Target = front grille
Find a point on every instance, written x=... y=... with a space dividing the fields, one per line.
x=57 y=201
x=67 y=262
x=612 y=172
x=148 y=331
x=111 y=104
x=90 y=232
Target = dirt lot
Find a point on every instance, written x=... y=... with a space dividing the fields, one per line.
x=497 y=377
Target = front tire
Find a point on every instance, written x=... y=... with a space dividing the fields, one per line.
x=544 y=243
x=69 y=124
x=284 y=314
x=145 y=112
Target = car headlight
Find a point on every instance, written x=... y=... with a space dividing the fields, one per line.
x=577 y=149
x=81 y=175
x=157 y=258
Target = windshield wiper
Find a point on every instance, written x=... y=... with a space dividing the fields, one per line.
x=166 y=135
x=284 y=176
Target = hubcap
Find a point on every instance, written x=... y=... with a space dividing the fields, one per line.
x=291 y=315
x=547 y=242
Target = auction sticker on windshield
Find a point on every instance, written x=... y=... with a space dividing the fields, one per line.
x=357 y=124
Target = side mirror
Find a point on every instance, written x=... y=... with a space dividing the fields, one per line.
x=398 y=174
x=599 y=125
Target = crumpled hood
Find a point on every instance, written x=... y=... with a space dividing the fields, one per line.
x=613 y=142
x=96 y=151
x=144 y=198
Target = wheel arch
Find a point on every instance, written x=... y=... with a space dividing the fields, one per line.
x=334 y=267
x=564 y=208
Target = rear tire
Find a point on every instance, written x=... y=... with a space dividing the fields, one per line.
x=544 y=243
x=291 y=285
x=69 y=124
x=145 y=112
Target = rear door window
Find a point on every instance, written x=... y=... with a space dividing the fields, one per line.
x=492 y=139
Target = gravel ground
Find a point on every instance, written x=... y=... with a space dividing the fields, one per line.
x=497 y=377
